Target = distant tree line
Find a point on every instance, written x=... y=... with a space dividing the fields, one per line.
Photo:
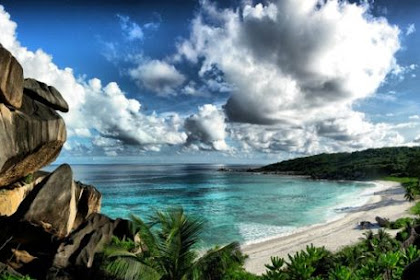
x=361 y=165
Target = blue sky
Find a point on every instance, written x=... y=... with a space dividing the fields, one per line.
x=225 y=82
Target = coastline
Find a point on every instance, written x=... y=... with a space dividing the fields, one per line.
x=386 y=201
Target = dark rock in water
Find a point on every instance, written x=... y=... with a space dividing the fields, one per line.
x=224 y=169
x=45 y=94
x=88 y=200
x=78 y=250
x=52 y=204
x=382 y=222
x=366 y=225
x=30 y=138
x=11 y=79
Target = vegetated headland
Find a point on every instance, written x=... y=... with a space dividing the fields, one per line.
x=370 y=164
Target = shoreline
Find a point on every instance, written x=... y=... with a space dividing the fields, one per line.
x=386 y=201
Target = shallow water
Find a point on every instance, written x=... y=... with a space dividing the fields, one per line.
x=242 y=207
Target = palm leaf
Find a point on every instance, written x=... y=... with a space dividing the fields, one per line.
x=219 y=256
x=129 y=268
x=148 y=240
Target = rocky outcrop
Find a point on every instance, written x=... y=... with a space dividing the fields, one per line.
x=12 y=197
x=80 y=247
x=88 y=202
x=54 y=203
x=50 y=226
x=45 y=94
x=11 y=79
x=31 y=137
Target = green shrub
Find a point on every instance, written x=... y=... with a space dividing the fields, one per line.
x=28 y=178
x=401 y=223
x=415 y=210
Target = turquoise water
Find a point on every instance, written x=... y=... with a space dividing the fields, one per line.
x=239 y=206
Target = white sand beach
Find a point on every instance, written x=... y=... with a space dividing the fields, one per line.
x=387 y=201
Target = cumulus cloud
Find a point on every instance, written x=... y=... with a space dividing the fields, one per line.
x=414 y=117
x=158 y=76
x=293 y=56
x=95 y=110
x=296 y=69
x=346 y=132
x=206 y=130
x=293 y=69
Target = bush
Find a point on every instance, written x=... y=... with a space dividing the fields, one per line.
x=401 y=223
x=28 y=178
x=415 y=210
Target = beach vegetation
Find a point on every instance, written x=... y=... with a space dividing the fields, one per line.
x=401 y=223
x=28 y=178
x=167 y=250
x=415 y=210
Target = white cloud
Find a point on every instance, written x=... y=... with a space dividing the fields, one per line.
x=296 y=69
x=293 y=59
x=95 y=109
x=292 y=83
x=132 y=31
x=400 y=71
x=411 y=28
x=346 y=132
x=158 y=76
x=414 y=117
x=206 y=130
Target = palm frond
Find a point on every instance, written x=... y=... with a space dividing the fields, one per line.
x=147 y=238
x=220 y=257
x=128 y=268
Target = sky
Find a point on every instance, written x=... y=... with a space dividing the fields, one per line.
x=223 y=81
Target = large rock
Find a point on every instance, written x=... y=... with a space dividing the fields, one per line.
x=88 y=202
x=30 y=138
x=11 y=79
x=52 y=204
x=80 y=247
x=11 y=197
x=45 y=94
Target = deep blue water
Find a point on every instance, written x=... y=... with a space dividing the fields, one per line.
x=237 y=206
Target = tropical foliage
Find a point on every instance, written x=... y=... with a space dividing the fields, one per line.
x=378 y=256
x=167 y=250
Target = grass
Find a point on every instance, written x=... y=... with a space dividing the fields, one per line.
x=402 y=180
x=415 y=210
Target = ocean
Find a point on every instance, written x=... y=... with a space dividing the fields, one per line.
x=237 y=206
